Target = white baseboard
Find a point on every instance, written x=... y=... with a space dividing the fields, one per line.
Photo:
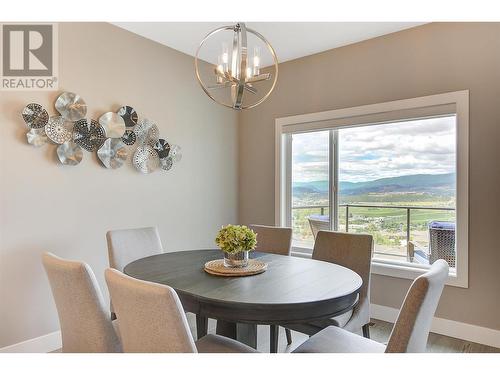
x=43 y=344
x=451 y=328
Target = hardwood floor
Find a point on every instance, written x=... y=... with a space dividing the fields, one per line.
x=379 y=331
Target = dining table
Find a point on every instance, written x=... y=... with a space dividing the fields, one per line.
x=292 y=290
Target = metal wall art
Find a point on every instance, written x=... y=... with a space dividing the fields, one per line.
x=147 y=132
x=146 y=159
x=176 y=153
x=88 y=134
x=69 y=153
x=71 y=106
x=37 y=137
x=112 y=136
x=113 y=153
x=113 y=125
x=58 y=131
x=129 y=115
x=166 y=163
x=35 y=116
x=129 y=137
x=162 y=148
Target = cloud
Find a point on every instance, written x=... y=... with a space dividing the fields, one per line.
x=425 y=146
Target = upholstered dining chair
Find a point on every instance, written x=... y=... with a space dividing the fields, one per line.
x=353 y=251
x=85 y=327
x=127 y=245
x=152 y=320
x=410 y=332
x=274 y=240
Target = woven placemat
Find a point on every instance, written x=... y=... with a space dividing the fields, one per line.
x=216 y=267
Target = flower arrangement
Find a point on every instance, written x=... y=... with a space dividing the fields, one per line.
x=233 y=239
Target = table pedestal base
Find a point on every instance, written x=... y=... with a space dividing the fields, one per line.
x=201 y=326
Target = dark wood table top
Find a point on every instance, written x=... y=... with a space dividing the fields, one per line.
x=291 y=290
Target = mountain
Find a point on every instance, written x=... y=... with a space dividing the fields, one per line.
x=427 y=183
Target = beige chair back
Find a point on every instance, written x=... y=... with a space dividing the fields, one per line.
x=127 y=245
x=85 y=327
x=150 y=316
x=355 y=252
x=275 y=240
x=411 y=330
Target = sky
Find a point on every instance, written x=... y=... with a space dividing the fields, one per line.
x=424 y=146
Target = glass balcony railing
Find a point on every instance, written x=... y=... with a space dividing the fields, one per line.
x=401 y=233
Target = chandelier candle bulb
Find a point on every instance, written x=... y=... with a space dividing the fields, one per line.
x=225 y=57
x=256 y=61
x=220 y=71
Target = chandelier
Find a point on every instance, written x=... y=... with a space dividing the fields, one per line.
x=236 y=77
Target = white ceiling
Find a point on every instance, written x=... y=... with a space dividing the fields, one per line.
x=290 y=40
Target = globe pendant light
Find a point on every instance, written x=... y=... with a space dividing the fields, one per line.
x=234 y=78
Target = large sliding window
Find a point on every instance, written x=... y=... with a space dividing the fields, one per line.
x=397 y=171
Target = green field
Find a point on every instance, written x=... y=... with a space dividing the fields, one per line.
x=387 y=225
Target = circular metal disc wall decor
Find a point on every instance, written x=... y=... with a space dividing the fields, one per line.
x=113 y=125
x=129 y=115
x=110 y=136
x=88 y=134
x=37 y=137
x=35 y=116
x=71 y=106
x=162 y=148
x=147 y=131
x=113 y=153
x=166 y=163
x=146 y=159
x=176 y=153
x=69 y=153
x=129 y=137
x=58 y=131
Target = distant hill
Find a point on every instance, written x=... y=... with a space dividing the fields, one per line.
x=427 y=183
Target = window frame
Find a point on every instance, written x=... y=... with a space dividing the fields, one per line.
x=425 y=106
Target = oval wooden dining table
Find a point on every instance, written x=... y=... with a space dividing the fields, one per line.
x=291 y=290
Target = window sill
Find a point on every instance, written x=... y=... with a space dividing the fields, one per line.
x=400 y=271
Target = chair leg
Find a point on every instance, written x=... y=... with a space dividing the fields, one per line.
x=366 y=331
x=288 y=336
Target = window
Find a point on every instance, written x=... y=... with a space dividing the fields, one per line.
x=397 y=170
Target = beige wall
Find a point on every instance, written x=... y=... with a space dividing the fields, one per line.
x=67 y=210
x=426 y=60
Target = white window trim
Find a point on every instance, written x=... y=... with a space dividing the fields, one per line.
x=308 y=122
